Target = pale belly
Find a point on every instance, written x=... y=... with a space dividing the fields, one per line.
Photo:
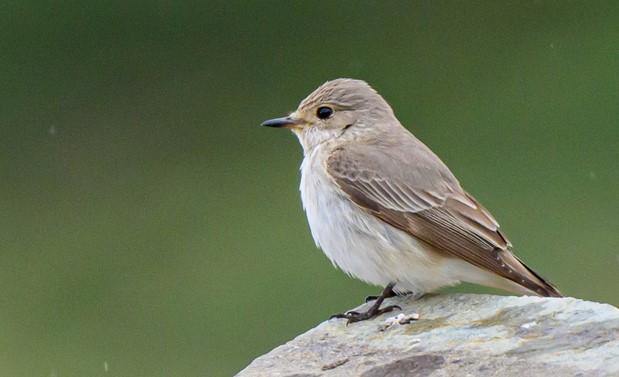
x=364 y=246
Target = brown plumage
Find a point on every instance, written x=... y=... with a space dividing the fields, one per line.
x=429 y=204
x=384 y=208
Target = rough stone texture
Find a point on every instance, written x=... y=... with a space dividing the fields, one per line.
x=459 y=335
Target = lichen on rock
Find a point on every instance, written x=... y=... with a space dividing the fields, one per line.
x=459 y=335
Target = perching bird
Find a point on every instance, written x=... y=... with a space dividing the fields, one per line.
x=385 y=209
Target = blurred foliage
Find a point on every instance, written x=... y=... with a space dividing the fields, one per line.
x=150 y=227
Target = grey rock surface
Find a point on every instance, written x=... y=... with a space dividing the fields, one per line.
x=458 y=335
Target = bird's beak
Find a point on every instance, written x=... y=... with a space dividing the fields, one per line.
x=284 y=122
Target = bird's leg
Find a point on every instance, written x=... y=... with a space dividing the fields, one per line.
x=389 y=294
x=374 y=310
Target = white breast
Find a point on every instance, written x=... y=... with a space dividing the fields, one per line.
x=361 y=244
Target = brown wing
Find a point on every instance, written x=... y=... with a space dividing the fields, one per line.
x=430 y=205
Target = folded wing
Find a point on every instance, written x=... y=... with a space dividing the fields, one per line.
x=428 y=203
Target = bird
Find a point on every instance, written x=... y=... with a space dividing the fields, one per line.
x=385 y=209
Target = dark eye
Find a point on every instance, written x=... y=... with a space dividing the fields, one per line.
x=324 y=112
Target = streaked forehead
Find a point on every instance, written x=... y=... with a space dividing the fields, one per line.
x=343 y=93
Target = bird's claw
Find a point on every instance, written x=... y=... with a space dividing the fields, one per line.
x=354 y=316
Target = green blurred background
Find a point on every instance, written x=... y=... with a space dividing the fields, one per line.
x=150 y=227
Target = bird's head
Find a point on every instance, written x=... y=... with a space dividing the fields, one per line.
x=343 y=109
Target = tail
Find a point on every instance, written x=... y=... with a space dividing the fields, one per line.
x=526 y=280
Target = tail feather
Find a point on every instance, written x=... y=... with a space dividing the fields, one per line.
x=528 y=278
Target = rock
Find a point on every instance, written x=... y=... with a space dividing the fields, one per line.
x=458 y=335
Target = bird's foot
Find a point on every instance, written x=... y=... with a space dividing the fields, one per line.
x=392 y=293
x=415 y=296
x=374 y=311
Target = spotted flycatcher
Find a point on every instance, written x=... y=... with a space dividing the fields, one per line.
x=385 y=209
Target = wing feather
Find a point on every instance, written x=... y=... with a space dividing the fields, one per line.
x=430 y=204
